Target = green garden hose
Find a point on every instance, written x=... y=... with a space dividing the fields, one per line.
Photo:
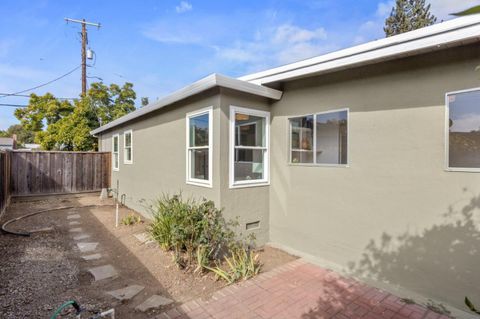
x=72 y=303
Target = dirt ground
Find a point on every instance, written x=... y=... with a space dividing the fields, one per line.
x=40 y=272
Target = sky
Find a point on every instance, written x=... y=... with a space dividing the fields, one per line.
x=163 y=45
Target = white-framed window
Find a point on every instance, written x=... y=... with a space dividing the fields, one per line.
x=462 y=131
x=128 y=147
x=115 y=152
x=199 y=147
x=319 y=139
x=249 y=147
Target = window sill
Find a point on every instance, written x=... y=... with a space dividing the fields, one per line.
x=461 y=169
x=251 y=184
x=320 y=165
x=128 y=163
x=116 y=169
x=201 y=184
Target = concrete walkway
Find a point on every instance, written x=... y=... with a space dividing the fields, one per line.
x=300 y=290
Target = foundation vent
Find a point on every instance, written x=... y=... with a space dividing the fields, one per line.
x=252 y=225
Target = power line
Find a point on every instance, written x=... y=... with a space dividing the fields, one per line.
x=13 y=105
x=44 y=84
x=26 y=95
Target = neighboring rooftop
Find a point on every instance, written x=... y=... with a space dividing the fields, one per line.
x=6 y=143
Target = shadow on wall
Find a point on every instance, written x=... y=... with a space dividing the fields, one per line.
x=441 y=262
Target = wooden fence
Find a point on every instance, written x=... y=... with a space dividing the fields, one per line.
x=4 y=180
x=34 y=173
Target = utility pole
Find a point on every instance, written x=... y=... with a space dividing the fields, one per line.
x=84 y=49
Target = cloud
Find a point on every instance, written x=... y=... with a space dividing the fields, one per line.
x=184 y=6
x=384 y=9
x=466 y=123
x=443 y=9
x=281 y=44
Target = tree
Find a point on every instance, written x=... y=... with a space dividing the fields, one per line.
x=145 y=101
x=473 y=10
x=23 y=135
x=408 y=15
x=68 y=124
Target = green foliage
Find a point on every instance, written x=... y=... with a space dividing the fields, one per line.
x=408 y=15
x=471 y=306
x=69 y=123
x=242 y=264
x=131 y=220
x=193 y=230
x=23 y=135
x=145 y=101
x=473 y=10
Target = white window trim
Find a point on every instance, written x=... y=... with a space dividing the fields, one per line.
x=314 y=142
x=116 y=169
x=125 y=161
x=190 y=180
x=253 y=183
x=447 y=135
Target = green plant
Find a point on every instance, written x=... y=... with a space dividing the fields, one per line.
x=471 y=306
x=130 y=220
x=241 y=265
x=194 y=230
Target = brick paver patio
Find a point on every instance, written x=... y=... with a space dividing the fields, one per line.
x=300 y=290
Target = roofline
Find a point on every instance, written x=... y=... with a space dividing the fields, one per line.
x=211 y=81
x=446 y=34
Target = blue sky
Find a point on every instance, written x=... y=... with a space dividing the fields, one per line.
x=162 y=45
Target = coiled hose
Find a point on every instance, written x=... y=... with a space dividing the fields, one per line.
x=72 y=303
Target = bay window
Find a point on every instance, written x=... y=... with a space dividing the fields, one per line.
x=199 y=147
x=249 y=146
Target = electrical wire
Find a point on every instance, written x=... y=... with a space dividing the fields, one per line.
x=12 y=105
x=44 y=84
x=26 y=95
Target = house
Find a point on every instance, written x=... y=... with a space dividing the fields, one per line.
x=364 y=160
x=8 y=143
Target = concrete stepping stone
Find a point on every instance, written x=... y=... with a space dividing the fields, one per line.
x=81 y=236
x=103 y=272
x=153 y=302
x=126 y=293
x=76 y=230
x=87 y=247
x=92 y=257
x=144 y=238
x=75 y=216
x=75 y=222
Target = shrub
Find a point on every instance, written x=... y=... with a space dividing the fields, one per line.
x=194 y=230
x=241 y=265
x=131 y=219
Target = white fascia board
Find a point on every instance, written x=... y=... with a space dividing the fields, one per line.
x=204 y=84
x=459 y=31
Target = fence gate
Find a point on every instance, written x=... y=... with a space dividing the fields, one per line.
x=34 y=173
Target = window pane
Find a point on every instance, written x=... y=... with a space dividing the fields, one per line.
x=199 y=130
x=248 y=164
x=199 y=164
x=302 y=139
x=115 y=143
x=249 y=130
x=464 y=131
x=128 y=139
x=128 y=154
x=116 y=160
x=332 y=139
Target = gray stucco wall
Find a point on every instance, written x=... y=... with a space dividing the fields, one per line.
x=249 y=204
x=159 y=154
x=394 y=215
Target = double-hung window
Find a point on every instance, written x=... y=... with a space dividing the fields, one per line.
x=115 y=152
x=199 y=147
x=128 y=147
x=249 y=147
x=319 y=139
x=463 y=130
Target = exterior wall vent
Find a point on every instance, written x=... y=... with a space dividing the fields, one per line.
x=252 y=225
